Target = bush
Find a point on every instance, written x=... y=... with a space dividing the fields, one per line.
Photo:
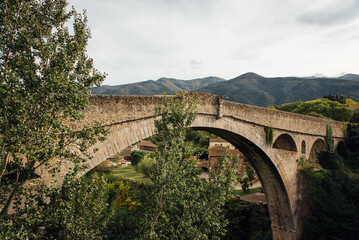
x=146 y=165
x=246 y=221
x=323 y=108
x=334 y=194
x=136 y=157
x=244 y=181
x=353 y=137
x=79 y=209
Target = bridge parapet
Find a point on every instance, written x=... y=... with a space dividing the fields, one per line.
x=291 y=122
x=112 y=109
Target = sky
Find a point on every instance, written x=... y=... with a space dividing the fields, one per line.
x=138 y=40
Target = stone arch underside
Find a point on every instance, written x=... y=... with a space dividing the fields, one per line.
x=283 y=227
x=318 y=146
x=276 y=193
x=121 y=136
x=285 y=142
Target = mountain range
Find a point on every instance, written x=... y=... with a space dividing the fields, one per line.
x=150 y=87
x=249 y=88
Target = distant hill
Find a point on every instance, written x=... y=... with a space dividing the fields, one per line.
x=151 y=87
x=353 y=77
x=249 y=88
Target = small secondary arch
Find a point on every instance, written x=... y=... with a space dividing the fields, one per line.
x=318 y=146
x=304 y=150
x=285 y=142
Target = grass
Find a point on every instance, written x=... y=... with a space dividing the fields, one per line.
x=130 y=173
x=241 y=193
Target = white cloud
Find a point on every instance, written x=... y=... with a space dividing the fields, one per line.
x=195 y=64
x=331 y=12
x=139 y=40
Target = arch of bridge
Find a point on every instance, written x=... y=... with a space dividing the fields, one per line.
x=130 y=119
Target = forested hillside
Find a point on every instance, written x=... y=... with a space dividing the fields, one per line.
x=150 y=87
x=249 y=88
x=254 y=89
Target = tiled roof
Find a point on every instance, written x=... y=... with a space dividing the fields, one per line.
x=217 y=146
x=146 y=143
x=217 y=140
x=233 y=151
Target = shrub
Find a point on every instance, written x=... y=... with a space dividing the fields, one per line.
x=136 y=157
x=146 y=165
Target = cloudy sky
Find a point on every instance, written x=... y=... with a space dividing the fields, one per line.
x=137 y=40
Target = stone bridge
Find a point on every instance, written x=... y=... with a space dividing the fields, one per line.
x=131 y=118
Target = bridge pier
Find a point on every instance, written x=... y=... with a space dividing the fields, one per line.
x=280 y=232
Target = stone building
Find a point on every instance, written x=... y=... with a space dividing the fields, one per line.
x=145 y=146
x=217 y=147
x=220 y=142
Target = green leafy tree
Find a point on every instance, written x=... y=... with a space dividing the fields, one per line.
x=136 y=157
x=79 y=209
x=146 y=165
x=353 y=137
x=244 y=181
x=45 y=75
x=250 y=173
x=181 y=205
x=329 y=138
x=339 y=98
x=247 y=221
x=334 y=193
x=126 y=197
x=323 y=108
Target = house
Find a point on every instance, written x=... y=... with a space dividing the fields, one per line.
x=145 y=146
x=217 y=148
x=220 y=142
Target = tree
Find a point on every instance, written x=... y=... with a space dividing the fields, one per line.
x=323 y=108
x=146 y=165
x=334 y=194
x=136 y=157
x=250 y=173
x=247 y=220
x=80 y=210
x=338 y=98
x=244 y=181
x=353 y=137
x=181 y=205
x=45 y=75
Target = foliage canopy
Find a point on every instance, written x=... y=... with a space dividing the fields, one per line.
x=45 y=75
x=181 y=205
x=323 y=108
